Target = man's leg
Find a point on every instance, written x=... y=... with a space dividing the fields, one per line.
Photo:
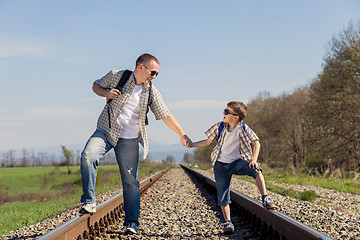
x=96 y=147
x=127 y=156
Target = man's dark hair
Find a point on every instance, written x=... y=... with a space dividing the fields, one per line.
x=146 y=58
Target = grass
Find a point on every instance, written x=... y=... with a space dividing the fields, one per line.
x=309 y=196
x=338 y=184
x=30 y=195
x=345 y=184
x=19 y=214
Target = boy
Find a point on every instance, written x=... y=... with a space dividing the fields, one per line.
x=233 y=155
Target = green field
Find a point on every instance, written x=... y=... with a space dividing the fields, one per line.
x=29 y=195
x=347 y=183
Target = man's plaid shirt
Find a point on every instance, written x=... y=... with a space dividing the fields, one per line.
x=113 y=131
x=247 y=136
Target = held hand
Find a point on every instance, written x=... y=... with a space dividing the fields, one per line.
x=113 y=93
x=185 y=141
x=254 y=165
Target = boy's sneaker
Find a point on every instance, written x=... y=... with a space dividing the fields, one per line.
x=228 y=227
x=267 y=203
x=88 y=208
x=131 y=228
x=130 y=231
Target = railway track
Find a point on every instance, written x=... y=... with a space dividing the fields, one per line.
x=89 y=226
x=267 y=224
x=262 y=223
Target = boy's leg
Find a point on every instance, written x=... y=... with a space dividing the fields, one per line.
x=228 y=227
x=226 y=212
x=222 y=180
x=260 y=183
x=242 y=168
x=127 y=156
x=96 y=147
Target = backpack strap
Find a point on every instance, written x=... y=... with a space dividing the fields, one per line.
x=221 y=127
x=148 y=105
x=124 y=78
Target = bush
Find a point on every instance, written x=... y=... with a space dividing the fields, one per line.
x=309 y=196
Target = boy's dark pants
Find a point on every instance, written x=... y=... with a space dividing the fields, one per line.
x=223 y=173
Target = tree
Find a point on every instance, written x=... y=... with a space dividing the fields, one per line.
x=25 y=158
x=281 y=125
x=68 y=157
x=188 y=158
x=170 y=159
x=10 y=158
x=202 y=154
x=336 y=102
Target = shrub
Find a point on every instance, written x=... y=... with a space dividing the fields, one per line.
x=309 y=196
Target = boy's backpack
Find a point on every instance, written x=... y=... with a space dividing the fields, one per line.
x=124 y=78
x=221 y=127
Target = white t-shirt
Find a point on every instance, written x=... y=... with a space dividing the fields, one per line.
x=230 y=150
x=129 y=116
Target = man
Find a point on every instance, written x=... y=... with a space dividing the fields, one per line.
x=121 y=126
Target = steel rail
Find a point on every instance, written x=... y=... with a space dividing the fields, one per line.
x=106 y=213
x=267 y=223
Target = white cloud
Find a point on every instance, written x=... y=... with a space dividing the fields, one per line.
x=93 y=99
x=55 y=112
x=196 y=103
x=10 y=122
x=21 y=46
x=10 y=119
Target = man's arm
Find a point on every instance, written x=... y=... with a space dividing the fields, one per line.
x=256 y=149
x=110 y=94
x=171 y=122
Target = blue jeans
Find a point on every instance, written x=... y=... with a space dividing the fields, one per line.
x=127 y=156
x=223 y=173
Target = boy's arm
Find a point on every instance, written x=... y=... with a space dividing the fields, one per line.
x=202 y=143
x=256 y=149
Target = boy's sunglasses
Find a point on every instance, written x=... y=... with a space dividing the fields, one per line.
x=227 y=112
x=152 y=73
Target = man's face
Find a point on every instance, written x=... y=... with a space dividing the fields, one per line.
x=147 y=72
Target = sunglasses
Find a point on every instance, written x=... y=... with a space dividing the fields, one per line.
x=152 y=73
x=227 y=112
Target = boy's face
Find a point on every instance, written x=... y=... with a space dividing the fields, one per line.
x=230 y=116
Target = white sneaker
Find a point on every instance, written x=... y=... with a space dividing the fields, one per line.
x=88 y=208
x=228 y=227
x=130 y=230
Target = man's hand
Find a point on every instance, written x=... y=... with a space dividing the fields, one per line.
x=254 y=165
x=186 y=141
x=113 y=93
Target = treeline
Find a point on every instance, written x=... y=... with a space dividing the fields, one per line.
x=316 y=127
x=30 y=158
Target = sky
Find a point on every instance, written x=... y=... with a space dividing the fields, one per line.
x=210 y=53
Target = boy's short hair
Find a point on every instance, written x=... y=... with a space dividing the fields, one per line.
x=239 y=109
